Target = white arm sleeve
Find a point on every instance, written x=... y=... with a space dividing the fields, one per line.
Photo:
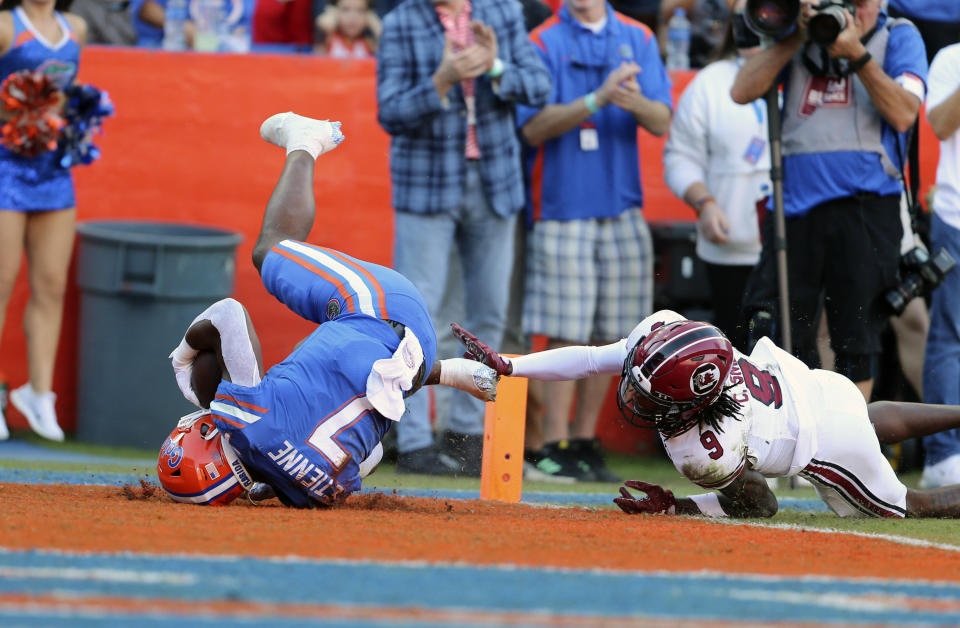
x=235 y=345
x=571 y=362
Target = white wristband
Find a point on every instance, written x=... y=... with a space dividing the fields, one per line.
x=709 y=504
x=477 y=379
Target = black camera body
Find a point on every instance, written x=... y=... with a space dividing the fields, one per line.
x=777 y=18
x=922 y=272
x=830 y=20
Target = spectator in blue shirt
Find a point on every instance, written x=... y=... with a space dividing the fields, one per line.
x=449 y=74
x=937 y=20
x=589 y=253
x=846 y=108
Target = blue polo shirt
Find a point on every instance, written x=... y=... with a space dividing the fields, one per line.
x=567 y=182
x=934 y=10
x=815 y=178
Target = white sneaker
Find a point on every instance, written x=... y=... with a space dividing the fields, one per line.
x=4 y=432
x=944 y=473
x=39 y=410
x=293 y=132
x=532 y=473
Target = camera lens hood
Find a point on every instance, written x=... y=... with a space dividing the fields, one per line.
x=772 y=18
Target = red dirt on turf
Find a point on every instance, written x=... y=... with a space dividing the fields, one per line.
x=388 y=527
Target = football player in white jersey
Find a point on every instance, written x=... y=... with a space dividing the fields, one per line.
x=729 y=421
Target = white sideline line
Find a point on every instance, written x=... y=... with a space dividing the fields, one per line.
x=893 y=538
x=839 y=601
x=424 y=564
x=99 y=574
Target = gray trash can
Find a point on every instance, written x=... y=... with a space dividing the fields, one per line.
x=141 y=283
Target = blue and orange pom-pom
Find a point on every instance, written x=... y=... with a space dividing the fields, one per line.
x=84 y=109
x=33 y=99
x=38 y=125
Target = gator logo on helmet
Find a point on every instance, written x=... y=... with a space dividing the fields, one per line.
x=705 y=378
x=173 y=453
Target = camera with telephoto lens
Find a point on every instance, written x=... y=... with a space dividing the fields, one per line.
x=830 y=20
x=777 y=18
x=922 y=272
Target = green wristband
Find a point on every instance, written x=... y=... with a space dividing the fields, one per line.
x=496 y=70
x=590 y=100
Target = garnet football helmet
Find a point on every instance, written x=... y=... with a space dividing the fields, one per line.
x=198 y=466
x=672 y=374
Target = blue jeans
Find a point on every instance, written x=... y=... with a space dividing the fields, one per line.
x=421 y=252
x=941 y=365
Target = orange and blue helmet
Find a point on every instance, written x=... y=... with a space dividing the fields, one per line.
x=198 y=466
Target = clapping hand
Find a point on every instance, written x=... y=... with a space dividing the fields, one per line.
x=460 y=64
x=620 y=87
x=627 y=95
x=485 y=38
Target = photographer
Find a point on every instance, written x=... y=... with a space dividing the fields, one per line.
x=847 y=104
x=941 y=368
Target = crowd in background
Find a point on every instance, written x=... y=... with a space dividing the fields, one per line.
x=488 y=122
x=351 y=28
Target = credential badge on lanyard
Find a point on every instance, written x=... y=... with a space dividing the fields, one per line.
x=757 y=144
x=589 y=139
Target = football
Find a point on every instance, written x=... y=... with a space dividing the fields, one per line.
x=206 y=376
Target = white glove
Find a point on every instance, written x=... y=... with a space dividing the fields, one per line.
x=182 y=360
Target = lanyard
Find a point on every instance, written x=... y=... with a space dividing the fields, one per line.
x=758 y=110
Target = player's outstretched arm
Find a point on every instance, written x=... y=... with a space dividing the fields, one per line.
x=748 y=496
x=564 y=363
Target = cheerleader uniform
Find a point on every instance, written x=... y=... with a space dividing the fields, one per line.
x=38 y=183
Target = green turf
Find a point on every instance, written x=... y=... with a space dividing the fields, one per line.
x=655 y=469
x=75 y=446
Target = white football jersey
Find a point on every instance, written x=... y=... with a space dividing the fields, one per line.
x=775 y=430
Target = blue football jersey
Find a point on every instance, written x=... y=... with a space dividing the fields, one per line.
x=321 y=284
x=309 y=423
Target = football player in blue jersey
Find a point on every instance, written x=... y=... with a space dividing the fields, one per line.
x=309 y=429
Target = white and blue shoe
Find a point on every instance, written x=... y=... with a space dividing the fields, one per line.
x=294 y=132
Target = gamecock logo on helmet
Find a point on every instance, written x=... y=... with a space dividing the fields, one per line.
x=705 y=378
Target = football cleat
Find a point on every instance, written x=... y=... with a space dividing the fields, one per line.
x=198 y=466
x=291 y=131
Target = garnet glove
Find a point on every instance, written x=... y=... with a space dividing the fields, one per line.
x=658 y=500
x=477 y=350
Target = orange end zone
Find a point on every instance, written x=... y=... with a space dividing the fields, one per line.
x=385 y=527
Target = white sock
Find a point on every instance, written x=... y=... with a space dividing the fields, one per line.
x=313 y=143
x=301 y=145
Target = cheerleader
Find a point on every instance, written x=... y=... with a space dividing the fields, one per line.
x=37 y=207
